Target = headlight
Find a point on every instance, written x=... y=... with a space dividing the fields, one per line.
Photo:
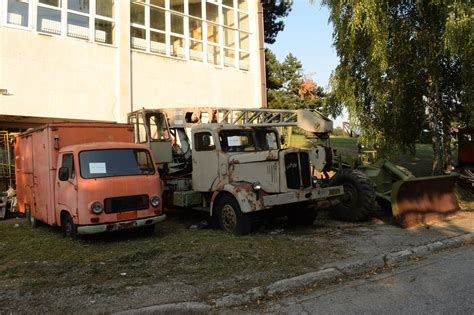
x=315 y=182
x=155 y=201
x=256 y=186
x=97 y=207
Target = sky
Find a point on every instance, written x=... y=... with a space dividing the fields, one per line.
x=308 y=36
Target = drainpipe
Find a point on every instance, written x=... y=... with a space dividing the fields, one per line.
x=261 y=51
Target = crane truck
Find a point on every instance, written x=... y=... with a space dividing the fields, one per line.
x=230 y=163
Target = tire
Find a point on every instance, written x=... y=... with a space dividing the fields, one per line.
x=359 y=196
x=32 y=221
x=68 y=227
x=231 y=218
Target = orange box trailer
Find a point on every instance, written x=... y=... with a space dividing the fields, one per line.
x=87 y=178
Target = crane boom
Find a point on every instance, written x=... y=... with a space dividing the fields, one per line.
x=309 y=120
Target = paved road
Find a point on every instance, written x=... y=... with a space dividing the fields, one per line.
x=441 y=284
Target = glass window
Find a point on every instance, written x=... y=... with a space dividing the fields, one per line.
x=244 y=61
x=177 y=5
x=54 y=3
x=212 y=12
x=195 y=8
x=79 y=5
x=203 y=141
x=195 y=29
x=243 y=5
x=17 y=12
x=213 y=54
x=158 y=42
x=68 y=162
x=229 y=3
x=158 y=3
x=104 y=31
x=115 y=162
x=213 y=33
x=229 y=37
x=49 y=20
x=177 y=47
x=105 y=8
x=138 y=38
x=243 y=22
x=177 y=23
x=137 y=14
x=244 y=40
x=158 y=127
x=237 y=141
x=229 y=57
x=228 y=15
x=77 y=26
x=195 y=51
x=142 y=138
x=157 y=19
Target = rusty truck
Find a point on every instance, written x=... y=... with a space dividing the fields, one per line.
x=234 y=167
x=86 y=178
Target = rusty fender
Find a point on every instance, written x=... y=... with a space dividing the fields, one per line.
x=243 y=193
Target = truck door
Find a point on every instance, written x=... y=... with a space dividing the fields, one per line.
x=151 y=129
x=205 y=161
x=67 y=190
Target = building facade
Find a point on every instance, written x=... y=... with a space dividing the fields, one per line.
x=101 y=59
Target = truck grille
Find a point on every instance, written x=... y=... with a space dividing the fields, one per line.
x=126 y=203
x=297 y=170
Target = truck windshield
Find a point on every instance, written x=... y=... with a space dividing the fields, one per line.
x=115 y=162
x=248 y=140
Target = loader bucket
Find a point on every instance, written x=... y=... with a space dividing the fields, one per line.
x=424 y=200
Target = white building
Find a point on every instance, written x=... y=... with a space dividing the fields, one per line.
x=101 y=59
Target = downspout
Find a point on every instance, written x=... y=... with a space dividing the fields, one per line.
x=261 y=51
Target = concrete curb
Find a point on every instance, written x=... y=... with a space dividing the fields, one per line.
x=326 y=275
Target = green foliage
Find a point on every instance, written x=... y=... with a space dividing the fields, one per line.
x=273 y=12
x=403 y=63
x=287 y=86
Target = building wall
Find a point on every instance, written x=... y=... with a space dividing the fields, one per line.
x=60 y=77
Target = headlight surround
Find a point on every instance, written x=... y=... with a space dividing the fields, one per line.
x=97 y=207
x=155 y=201
x=256 y=186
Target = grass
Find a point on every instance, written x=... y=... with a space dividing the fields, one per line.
x=38 y=258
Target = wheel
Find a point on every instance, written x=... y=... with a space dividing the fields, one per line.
x=359 y=195
x=305 y=216
x=231 y=219
x=31 y=219
x=68 y=227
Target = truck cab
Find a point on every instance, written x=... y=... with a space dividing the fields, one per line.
x=106 y=186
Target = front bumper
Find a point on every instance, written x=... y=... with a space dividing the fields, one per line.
x=115 y=226
x=317 y=194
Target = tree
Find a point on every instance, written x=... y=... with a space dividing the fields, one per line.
x=273 y=12
x=404 y=62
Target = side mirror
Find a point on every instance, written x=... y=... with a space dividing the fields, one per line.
x=63 y=174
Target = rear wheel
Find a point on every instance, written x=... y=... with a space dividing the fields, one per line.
x=359 y=196
x=231 y=218
x=68 y=227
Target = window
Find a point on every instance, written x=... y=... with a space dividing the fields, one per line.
x=212 y=31
x=68 y=162
x=18 y=12
x=91 y=20
x=203 y=141
x=142 y=138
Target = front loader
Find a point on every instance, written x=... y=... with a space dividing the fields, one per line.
x=413 y=200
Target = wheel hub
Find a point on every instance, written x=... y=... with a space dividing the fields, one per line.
x=229 y=218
